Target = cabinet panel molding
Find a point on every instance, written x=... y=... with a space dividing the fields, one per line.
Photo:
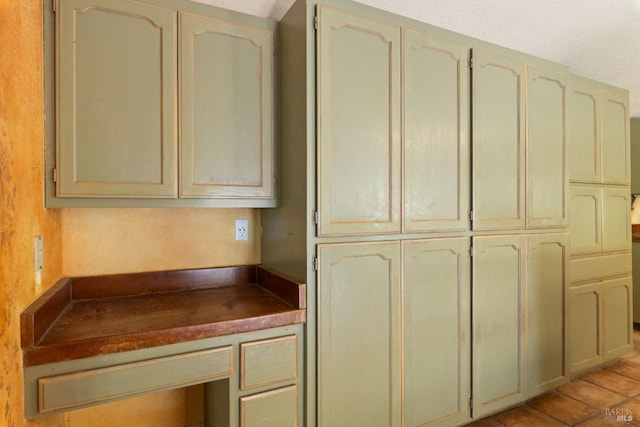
x=358 y=124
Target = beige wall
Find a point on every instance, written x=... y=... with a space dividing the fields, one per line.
x=83 y=241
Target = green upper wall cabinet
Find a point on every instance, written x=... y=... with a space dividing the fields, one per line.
x=116 y=109
x=226 y=109
x=498 y=144
x=358 y=124
x=547 y=173
x=168 y=103
x=598 y=133
x=435 y=133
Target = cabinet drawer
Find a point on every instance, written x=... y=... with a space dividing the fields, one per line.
x=599 y=266
x=275 y=408
x=117 y=382
x=268 y=361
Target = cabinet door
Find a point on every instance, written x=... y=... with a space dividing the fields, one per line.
x=226 y=125
x=546 y=278
x=547 y=178
x=618 y=313
x=359 y=335
x=275 y=408
x=116 y=92
x=586 y=219
x=616 y=219
x=436 y=307
x=498 y=142
x=436 y=123
x=585 y=326
x=583 y=132
x=614 y=120
x=498 y=322
x=358 y=79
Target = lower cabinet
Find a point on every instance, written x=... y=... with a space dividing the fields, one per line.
x=437 y=339
x=359 y=335
x=275 y=408
x=600 y=325
x=421 y=333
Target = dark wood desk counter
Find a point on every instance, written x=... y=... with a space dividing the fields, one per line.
x=635 y=232
x=91 y=316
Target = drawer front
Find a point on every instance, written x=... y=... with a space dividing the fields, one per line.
x=275 y=408
x=599 y=266
x=117 y=382
x=268 y=362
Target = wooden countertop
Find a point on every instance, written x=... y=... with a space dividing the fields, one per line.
x=91 y=316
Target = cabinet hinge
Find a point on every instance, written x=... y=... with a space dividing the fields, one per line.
x=53 y=6
x=314 y=217
x=471 y=215
x=315 y=23
x=470 y=62
x=315 y=263
x=470 y=405
x=471 y=251
x=55 y=175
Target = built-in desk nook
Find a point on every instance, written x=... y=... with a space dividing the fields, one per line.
x=238 y=330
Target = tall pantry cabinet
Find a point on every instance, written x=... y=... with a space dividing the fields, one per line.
x=397 y=217
x=600 y=293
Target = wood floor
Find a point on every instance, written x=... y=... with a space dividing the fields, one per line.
x=608 y=397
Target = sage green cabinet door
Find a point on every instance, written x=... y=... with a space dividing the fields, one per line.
x=359 y=335
x=116 y=90
x=585 y=229
x=614 y=120
x=436 y=313
x=585 y=326
x=275 y=408
x=436 y=123
x=583 y=132
x=547 y=258
x=226 y=99
x=547 y=176
x=498 y=150
x=618 y=317
x=616 y=219
x=497 y=322
x=358 y=72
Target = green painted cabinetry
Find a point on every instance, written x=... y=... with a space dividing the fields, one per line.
x=436 y=301
x=162 y=103
x=600 y=297
x=359 y=334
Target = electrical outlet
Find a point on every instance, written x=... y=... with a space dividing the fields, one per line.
x=242 y=229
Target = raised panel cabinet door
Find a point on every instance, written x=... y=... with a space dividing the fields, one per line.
x=547 y=177
x=274 y=408
x=359 y=335
x=497 y=322
x=226 y=101
x=616 y=154
x=583 y=131
x=618 y=317
x=498 y=145
x=437 y=351
x=358 y=83
x=116 y=92
x=616 y=219
x=585 y=326
x=585 y=229
x=547 y=257
x=436 y=132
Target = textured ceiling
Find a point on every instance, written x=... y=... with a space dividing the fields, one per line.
x=599 y=39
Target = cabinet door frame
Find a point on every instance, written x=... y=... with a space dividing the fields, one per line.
x=353 y=311
x=617 y=318
x=344 y=209
x=435 y=158
x=576 y=327
x=121 y=183
x=497 y=135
